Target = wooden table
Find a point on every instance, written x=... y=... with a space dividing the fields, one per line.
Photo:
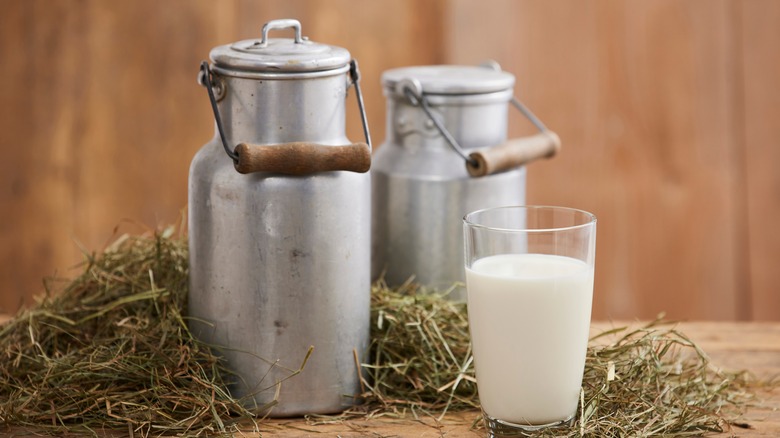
x=750 y=346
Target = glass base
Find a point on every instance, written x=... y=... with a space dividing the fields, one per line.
x=500 y=428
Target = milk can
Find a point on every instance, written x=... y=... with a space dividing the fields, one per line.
x=445 y=154
x=279 y=224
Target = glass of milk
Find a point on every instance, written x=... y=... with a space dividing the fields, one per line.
x=529 y=280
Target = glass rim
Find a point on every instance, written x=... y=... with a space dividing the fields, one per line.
x=470 y=223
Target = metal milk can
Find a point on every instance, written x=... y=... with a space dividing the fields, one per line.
x=445 y=154
x=279 y=224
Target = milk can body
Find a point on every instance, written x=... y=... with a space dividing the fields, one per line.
x=421 y=187
x=279 y=263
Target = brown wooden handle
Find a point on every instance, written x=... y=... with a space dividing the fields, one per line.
x=302 y=158
x=513 y=153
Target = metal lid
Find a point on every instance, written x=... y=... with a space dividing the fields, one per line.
x=450 y=79
x=280 y=55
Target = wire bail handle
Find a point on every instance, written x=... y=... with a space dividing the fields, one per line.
x=486 y=161
x=290 y=158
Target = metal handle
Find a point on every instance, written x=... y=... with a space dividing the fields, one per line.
x=515 y=152
x=284 y=23
x=291 y=158
x=354 y=74
x=511 y=154
x=412 y=89
x=208 y=80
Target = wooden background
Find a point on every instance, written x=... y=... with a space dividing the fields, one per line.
x=669 y=112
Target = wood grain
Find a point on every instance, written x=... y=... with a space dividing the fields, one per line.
x=514 y=153
x=644 y=99
x=94 y=128
x=667 y=111
x=102 y=112
x=760 y=151
x=302 y=158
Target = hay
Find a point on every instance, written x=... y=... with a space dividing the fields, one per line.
x=111 y=350
x=655 y=381
x=420 y=356
x=649 y=381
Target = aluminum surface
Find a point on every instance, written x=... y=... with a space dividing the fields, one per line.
x=450 y=79
x=279 y=55
x=421 y=189
x=281 y=263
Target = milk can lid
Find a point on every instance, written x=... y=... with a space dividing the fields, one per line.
x=451 y=79
x=280 y=55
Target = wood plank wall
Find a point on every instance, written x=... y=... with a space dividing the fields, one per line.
x=668 y=111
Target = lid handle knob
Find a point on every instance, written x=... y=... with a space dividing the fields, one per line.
x=284 y=23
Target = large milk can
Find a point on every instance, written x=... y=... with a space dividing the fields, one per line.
x=445 y=154
x=279 y=224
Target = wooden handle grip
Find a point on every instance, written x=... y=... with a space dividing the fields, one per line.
x=302 y=158
x=513 y=153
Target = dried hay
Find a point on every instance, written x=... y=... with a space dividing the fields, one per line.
x=111 y=350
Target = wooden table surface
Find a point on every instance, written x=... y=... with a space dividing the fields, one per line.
x=752 y=346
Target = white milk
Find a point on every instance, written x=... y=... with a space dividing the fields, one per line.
x=529 y=316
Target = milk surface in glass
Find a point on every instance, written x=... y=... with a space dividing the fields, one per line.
x=529 y=316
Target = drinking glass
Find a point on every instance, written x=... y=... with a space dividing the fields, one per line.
x=529 y=282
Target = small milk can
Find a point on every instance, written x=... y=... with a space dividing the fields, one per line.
x=279 y=224
x=445 y=154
